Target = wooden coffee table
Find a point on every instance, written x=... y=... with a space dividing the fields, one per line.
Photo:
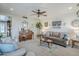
x=47 y=40
x=73 y=42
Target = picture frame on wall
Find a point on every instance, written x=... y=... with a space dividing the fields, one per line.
x=75 y=23
x=46 y=24
x=56 y=24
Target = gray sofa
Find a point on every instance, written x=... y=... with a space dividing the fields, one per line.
x=57 y=37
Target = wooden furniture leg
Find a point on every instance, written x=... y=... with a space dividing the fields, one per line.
x=40 y=42
x=72 y=44
x=74 y=41
x=49 y=44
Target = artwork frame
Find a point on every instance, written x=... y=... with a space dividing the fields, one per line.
x=46 y=24
x=75 y=23
x=56 y=24
x=25 y=25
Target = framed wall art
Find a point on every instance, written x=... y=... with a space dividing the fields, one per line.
x=46 y=24
x=75 y=23
x=56 y=24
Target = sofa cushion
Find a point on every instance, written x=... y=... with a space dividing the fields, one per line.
x=56 y=34
x=7 y=48
x=53 y=38
x=47 y=34
x=61 y=35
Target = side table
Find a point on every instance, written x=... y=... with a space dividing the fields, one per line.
x=73 y=42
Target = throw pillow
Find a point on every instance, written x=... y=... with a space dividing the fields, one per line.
x=7 y=48
x=61 y=35
x=65 y=36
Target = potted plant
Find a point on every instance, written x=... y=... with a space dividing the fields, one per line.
x=39 y=27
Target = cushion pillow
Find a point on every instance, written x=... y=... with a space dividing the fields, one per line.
x=55 y=34
x=65 y=37
x=7 y=47
x=61 y=35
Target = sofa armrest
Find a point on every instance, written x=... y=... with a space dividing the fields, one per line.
x=18 y=52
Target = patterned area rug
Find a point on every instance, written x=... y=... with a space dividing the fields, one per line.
x=56 y=50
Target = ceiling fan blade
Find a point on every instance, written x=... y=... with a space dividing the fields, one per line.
x=44 y=15
x=43 y=12
x=34 y=11
x=24 y=17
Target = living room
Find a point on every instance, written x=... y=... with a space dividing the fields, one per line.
x=30 y=29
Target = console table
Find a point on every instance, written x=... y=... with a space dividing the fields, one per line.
x=25 y=35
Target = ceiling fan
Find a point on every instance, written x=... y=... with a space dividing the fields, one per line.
x=39 y=13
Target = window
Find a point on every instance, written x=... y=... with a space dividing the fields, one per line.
x=3 y=24
x=3 y=27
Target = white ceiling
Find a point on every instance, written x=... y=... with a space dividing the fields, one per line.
x=25 y=9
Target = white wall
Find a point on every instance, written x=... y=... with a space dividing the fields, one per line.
x=65 y=18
